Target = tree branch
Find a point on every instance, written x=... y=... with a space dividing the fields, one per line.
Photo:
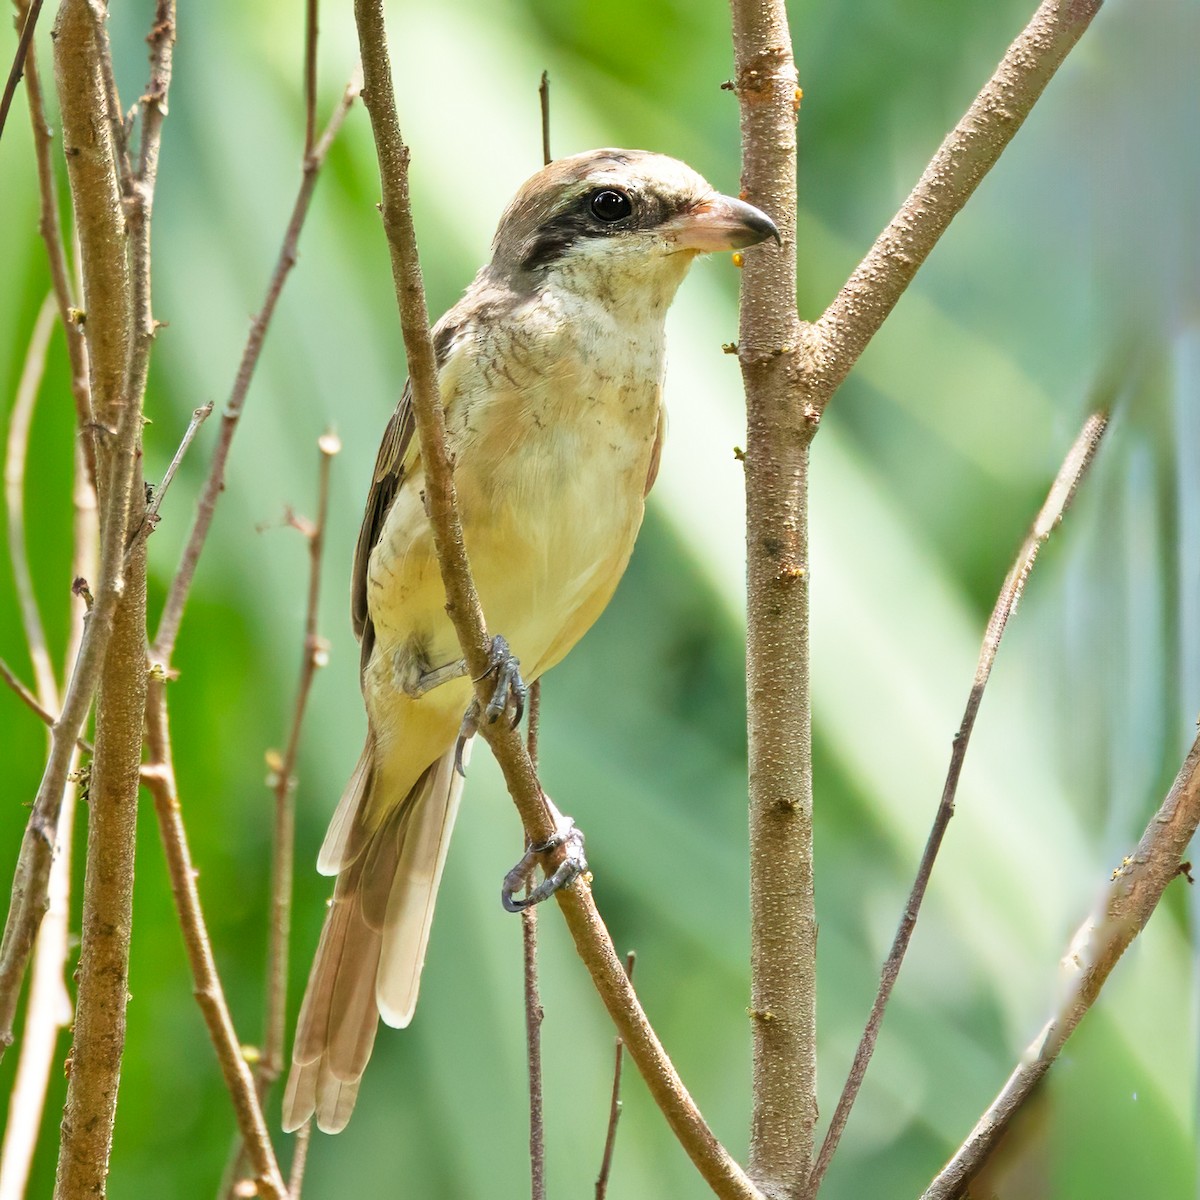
x=17 y=450
x=782 y=915
x=614 y=1103
x=24 y=42
x=160 y=779
x=1070 y=475
x=968 y=153
x=99 y=1038
x=1136 y=888
x=534 y=1013
x=592 y=942
x=100 y=221
x=172 y=615
x=50 y=227
x=49 y=1009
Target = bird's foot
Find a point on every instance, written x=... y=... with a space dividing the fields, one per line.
x=510 y=690
x=509 y=694
x=573 y=865
x=422 y=683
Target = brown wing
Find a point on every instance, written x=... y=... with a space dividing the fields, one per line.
x=385 y=483
x=656 y=450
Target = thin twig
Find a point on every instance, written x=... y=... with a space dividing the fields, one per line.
x=315 y=655
x=299 y=1160
x=199 y=416
x=159 y=776
x=172 y=615
x=1136 y=888
x=50 y=227
x=591 y=938
x=31 y=701
x=18 y=65
x=534 y=1013
x=16 y=454
x=544 y=102
x=1070 y=474
x=614 y=1106
x=49 y=1010
x=110 y=106
x=310 y=75
x=968 y=153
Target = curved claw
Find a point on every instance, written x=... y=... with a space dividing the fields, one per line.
x=510 y=687
x=466 y=731
x=572 y=866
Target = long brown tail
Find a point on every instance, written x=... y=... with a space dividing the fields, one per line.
x=368 y=962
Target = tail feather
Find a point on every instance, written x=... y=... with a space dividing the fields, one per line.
x=372 y=948
x=413 y=892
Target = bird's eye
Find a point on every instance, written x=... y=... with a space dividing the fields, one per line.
x=609 y=205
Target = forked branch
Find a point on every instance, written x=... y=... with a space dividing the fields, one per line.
x=1136 y=888
x=591 y=938
x=1070 y=475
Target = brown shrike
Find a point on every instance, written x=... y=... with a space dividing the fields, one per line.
x=550 y=370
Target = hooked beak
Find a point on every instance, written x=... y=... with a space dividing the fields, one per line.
x=720 y=223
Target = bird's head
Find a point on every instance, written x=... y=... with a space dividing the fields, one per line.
x=615 y=219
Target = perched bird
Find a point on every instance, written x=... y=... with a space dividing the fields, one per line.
x=550 y=371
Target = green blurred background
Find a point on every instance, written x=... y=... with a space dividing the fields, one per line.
x=1074 y=266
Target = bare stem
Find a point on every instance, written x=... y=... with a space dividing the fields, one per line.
x=49 y=1009
x=299 y=1161
x=534 y=1014
x=315 y=654
x=311 y=33
x=18 y=64
x=14 y=495
x=1075 y=465
x=100 y=221
x=199 y=416
x=591 y=938
x=99 y=1031
x=172 y=615
x=1136 y=888
x=783 y=928
x=34 y=705
x=50 y=227
x=160 y=779
x=614 y=1105
x=544 y=104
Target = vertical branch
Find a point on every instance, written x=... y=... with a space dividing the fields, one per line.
x=50 y=227
x=181 y=582
x=544 y=103
x=49 y=1010
x=578 y=907
x=534 y=1013
x=315 y=655
x=16 y=452
x=116 y=241
x=100 y=223
x=160 y=780
x=614 y=1104
x=782 y=918
x=310 y=76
